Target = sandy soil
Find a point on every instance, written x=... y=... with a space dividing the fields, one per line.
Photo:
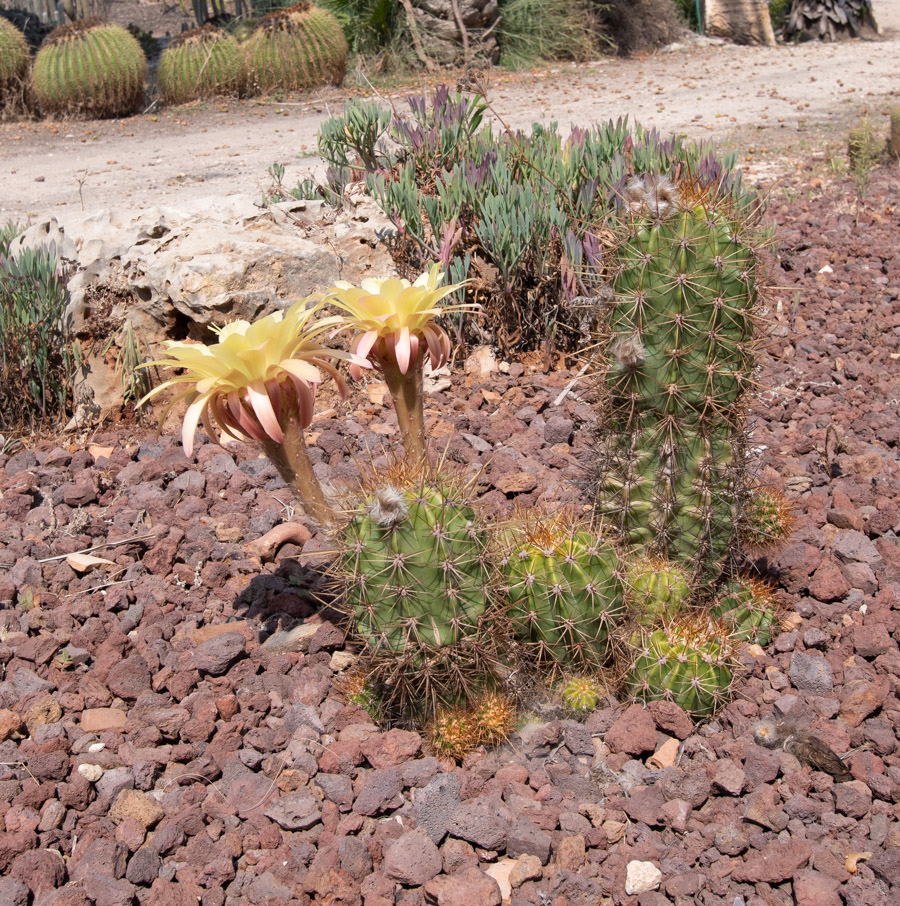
x=768 y=103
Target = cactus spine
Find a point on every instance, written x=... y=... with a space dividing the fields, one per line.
x=657 y=589
x=201 y=63
x=748 y=609
x=581 y=693
x=296 y=49
x=90 y=67
x=14 y=56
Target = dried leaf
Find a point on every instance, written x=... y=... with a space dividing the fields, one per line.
x=83 y=563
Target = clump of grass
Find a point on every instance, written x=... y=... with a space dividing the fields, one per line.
x=534 y=31
x=36 y=364
x=864 y=149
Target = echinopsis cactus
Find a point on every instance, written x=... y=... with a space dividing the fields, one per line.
x=565 y=591
x=418 y=583
x=656 y=589
x=90 y=67
x=748 y=609
x=201 y=63
x=295 y=49
x=765 y=521
x=688 y=663
x=671 y=470
x=581 y=693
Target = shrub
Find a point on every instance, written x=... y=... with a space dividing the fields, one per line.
x=638 y=26
x=532 y=31
x=35 y=363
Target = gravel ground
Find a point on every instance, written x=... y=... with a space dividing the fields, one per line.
x=154 y=751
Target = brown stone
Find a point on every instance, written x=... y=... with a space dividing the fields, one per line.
x=10 y=724
x=633 y=733
x=99 y=720
x=205 y=633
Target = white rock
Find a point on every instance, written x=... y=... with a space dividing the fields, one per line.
x=641 y=877
x=96 y=747
x=91 y=772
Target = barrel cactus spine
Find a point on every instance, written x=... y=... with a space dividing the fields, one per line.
x=766 y=520
x=748 y=608
x=90 y=67
x=14 y=56
x=295 y=49
x=204 y=62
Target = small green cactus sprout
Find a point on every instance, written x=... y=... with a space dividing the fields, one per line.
x=581 y=693
x=657 y=589
x=359 y=690
x=688 y=662
x=14 y=57
x=90 y=67
x=766 y=522
x=201 y=63
x=747 y=606
x=452 y=734
x=295 y=49
x=494 y=718
x=564 y=588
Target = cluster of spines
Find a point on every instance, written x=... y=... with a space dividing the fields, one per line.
x=90 y=67
x=581 y=694
x=455 y=732
x=765 y=521
x=201 y=63
x=748 y=608
x=565 y=591
x=297 y=48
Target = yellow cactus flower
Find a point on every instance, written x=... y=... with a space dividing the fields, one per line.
x=395 y=318
x=253 y=375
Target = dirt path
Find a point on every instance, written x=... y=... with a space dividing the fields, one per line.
x=761 y=100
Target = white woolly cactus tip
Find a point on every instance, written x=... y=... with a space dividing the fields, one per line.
x=629 y=351
x=649 y=194
x=388 y=507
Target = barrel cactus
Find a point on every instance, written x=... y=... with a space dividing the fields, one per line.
x=90 y=67
x=565 y=591
x=418 y=583
x=766 y=520
x=657 y=589
x=201 y=63
x=581 y=693
x=297 y=48
x=14 y=56
x=747 y=606
x=688 y=663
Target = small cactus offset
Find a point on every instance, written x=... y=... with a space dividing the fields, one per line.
x=656 y=589
x=688 y=663
x=581 y=693
x=766 y=521
x=565 y=591
x=748 y=609
x=295 y=49
x=14 y=55
x=494 y=718
x=90 y=67
x=452 y=734
x=201 y=63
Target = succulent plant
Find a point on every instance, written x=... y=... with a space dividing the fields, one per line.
x=565 y=590
x=201 y=63
x=688 y=663
x=418 y=580
x=452 y=734
x=358 y=690
x=766 y=520
x=14 y=56
x=494 y=718
x=670 y=472
x=295 y=49
x=747 y=606
x=656 y=589
x=581 y=693
x=89 y=67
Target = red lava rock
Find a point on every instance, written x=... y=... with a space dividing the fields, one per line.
x=645 y=805
x=861 y=698
x=886 y=865
x=129 y=678
x=774 y=863
x=469 y=887
x=853 y=798
x=633 y=733
x=10 y=724
x=98 y=720
x=689 y=782
x=379 y=793
x=524 y=838
x=412 y=859
x=872 y=639
x=39 y=869
x=811 y=888
x=482 y=821
x=671 y=718
x=829 y=583
x=13 y=892
x=217 y=654
x=387 y=750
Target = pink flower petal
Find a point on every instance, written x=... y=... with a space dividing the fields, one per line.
x=262 y=406
x=402 y=349
x=189 y=427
